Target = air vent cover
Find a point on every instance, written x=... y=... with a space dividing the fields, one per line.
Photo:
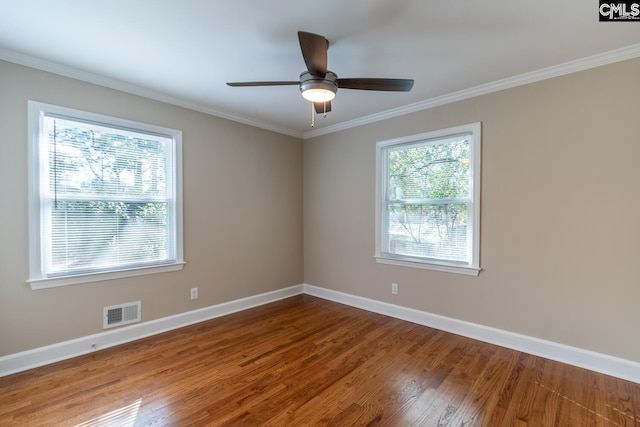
x=121 y=314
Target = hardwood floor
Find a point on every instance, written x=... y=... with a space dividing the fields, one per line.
x=305 y=361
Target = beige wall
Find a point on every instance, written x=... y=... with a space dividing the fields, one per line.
x=242 y=214
x=560 y=224
x=560 y=205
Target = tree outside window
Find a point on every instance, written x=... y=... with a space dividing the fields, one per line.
x=107 y=194
x=427 y=200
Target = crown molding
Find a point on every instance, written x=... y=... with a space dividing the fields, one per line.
x=89 y=77
x=617 y=55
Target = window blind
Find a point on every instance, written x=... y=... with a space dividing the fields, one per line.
x=106 y=195
x=428 y=200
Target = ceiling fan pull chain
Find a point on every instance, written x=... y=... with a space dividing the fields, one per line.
x=313 y=116
x=325 y=109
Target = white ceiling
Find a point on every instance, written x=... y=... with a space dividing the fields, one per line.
x=185 y=51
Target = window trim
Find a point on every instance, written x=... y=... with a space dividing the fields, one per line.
x=37 y=278
x=473 y=268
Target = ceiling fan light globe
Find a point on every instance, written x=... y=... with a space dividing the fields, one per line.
x=318 y=95
x=318 y=89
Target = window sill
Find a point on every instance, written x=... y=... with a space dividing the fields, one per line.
x=54 y=282
x=447 y=268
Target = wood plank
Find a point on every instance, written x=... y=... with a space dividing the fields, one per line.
x=307 y=361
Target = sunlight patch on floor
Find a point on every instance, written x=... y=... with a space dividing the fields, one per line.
x=121 y=417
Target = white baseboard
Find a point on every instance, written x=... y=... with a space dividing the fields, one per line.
x=603 y=363
x=598 y=362
x=41 y=356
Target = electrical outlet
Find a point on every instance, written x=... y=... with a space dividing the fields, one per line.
x=394 y=288
x=194 y=293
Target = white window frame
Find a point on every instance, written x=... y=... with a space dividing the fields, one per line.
x=38 y=278
x=473 y=266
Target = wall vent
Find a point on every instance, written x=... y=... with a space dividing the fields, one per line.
x=121 y=314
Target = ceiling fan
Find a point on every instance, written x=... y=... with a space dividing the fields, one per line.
x=319 y=85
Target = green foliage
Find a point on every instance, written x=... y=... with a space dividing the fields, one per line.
x=108 y=190
x=85 y=160
x=94 y=232
x=427 y=190
x=436 y=171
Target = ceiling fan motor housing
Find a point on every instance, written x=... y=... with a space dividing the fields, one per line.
x=309 y=82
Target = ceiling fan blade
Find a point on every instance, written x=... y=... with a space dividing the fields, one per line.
x=244 y=84
x=322 y=107
x=314 y=51
x=393 y=85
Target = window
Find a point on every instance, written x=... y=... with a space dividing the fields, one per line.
x=428 y=200
x=105 y=197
